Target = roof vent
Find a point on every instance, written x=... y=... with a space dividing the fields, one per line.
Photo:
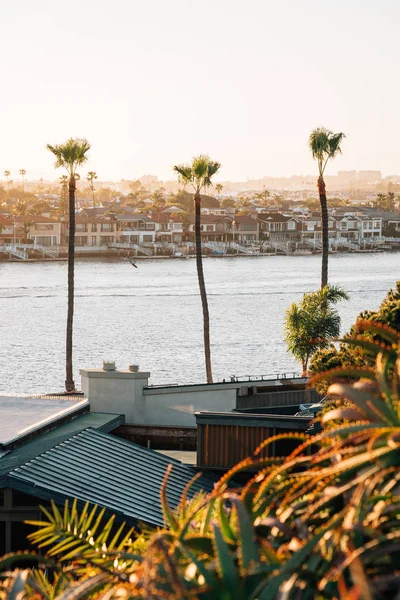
x=109 y=365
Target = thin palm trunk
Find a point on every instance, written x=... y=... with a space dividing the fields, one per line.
x=325 y=231
x=69 y=381
x=203 y=293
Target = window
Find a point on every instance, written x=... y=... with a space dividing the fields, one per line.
x=43 y=240
x=94 y=240
x=210 y=228
x=106 y=227
x=81 y=240
x=81 y=227
x=291 y=225
x=43 y=227
x=147 y=238
x=150 y=226
x=94 y=227
x=106 y=239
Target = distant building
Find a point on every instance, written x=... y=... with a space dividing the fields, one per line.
x=369 y=176
x=347 y=176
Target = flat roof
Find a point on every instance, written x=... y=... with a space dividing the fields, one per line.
x=20 y=415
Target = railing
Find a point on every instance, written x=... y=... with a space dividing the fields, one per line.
x=14 y=251
x=48 y=250
x=284 y=247
x=269 y=377
x=132 y=246
x=240 y=248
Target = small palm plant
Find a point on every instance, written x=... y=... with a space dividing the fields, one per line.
x=199 y=175
x=324 y=145
x=70 y=155
x=312 y=323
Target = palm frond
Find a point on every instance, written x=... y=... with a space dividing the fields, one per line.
x=199 y=173
x=71 y=154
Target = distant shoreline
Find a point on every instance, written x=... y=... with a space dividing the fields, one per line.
x=85 y=256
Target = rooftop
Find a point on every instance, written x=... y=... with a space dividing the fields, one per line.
x=21 y=416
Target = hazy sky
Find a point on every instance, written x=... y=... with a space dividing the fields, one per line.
x=151 y=83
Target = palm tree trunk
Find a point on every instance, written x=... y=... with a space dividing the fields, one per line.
x=325 y=231
x=69 y=381
x=203 y=293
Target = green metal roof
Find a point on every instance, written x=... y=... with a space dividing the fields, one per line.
x=109 y=471
x=30 y=449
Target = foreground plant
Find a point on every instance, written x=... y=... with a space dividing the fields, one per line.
x=322 y=523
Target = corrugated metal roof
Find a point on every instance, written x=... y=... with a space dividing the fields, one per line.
x=108 y=471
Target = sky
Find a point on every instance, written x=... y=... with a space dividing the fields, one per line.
x=152 y=83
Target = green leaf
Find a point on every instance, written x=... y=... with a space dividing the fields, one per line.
x=248 y=548
x=226 y=564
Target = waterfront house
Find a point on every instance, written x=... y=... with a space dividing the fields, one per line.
x=93 y=231
x=33 y=229
x=245 y=229
x=136 y=228
x=7 y=228
x=169 y=227
x=356 y=228
x=275 y=226
x=213 y=228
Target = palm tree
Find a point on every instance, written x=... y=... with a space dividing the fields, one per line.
x=324 y=145
x=219 y=187
x=7 y=176
x=22 y=172
x=198 y=175
x=70 y=155
x=91 y=176
x=63 y=205
x=312 y=323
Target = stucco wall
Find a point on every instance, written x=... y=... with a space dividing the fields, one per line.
x=176 y=407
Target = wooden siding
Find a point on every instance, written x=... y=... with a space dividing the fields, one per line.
x=226 y=441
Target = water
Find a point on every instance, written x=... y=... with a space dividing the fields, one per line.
x=152 y=315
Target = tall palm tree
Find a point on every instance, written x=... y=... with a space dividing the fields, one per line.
x=312 y=323
x=63 y=206
x=324 y=145
x=70 y=156
x=198 y=175
x=91 y=176
x=22 y=172
x=7 y=176
x=219 y=187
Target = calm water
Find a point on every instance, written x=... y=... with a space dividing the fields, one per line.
x=152 y=315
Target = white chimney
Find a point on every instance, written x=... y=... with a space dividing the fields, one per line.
x=112 y=391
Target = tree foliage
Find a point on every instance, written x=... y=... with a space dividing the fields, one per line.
x=313 y=323
x=324 y=144
x=344 y=355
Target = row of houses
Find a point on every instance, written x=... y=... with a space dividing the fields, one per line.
x=96 y=229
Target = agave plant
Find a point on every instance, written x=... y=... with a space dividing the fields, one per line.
x=320 y=523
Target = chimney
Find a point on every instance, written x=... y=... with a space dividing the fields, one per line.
x=110 y=390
